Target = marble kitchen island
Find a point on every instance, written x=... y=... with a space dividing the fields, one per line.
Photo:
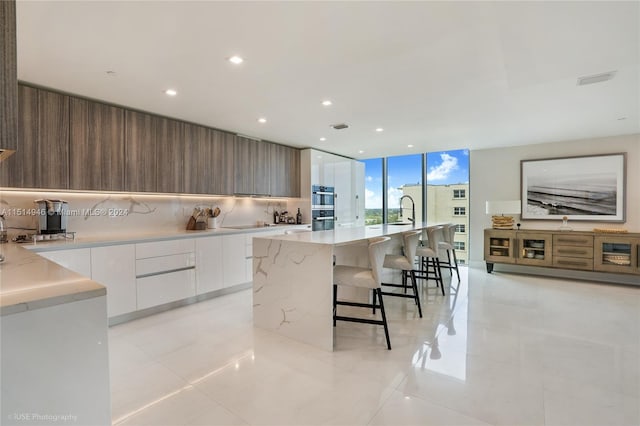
x=293 y=277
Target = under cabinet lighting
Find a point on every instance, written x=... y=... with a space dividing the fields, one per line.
x=170 y=92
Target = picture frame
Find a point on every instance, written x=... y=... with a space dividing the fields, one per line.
x=586 y=188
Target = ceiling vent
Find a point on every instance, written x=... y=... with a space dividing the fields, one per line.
x=340 y=126
x=596 y=78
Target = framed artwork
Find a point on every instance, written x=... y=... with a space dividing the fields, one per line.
x=581 y=188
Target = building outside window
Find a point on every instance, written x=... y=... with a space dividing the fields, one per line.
x=459 y=245
x=461 y=228
x=459 y=211
x=459 y=193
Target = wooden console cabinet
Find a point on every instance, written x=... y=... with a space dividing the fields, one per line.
x=578 y=250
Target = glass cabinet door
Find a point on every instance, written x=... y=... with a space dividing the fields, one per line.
x=616 y=254
x=499 y=246
x=534 y=249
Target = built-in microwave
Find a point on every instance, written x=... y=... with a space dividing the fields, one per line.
x=322 y=197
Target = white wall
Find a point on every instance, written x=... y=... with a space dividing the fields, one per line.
x=495 y=175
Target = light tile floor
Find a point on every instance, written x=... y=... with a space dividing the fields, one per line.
x=502 y=349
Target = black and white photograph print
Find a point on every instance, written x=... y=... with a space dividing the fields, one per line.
x=580 y=188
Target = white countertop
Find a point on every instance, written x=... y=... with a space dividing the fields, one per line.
x=343 y=236
x=144 y=237
x=29 y=281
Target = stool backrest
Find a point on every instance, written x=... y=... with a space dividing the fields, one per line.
x=450 y=232
x=436 y=235
x=378 y=248
x=410 y=244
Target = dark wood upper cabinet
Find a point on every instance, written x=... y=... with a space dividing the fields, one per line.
x=140 y=152
x=8 y=79
x=285 y=171
x=52 y=158
x=96 y=146
x=43 y=134
x=198 y=167
x=222 y=162
x=252 y=167
x=170 y=150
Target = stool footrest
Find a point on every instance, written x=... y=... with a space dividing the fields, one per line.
x=396 y=285
x=361 y=320
x=359 y=305
x=408 y=296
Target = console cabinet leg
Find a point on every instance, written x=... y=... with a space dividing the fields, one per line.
x=489 y=267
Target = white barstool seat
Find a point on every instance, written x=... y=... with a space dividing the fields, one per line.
x=405 y=263
x=429 y=255
x=353 y=276
x=449 y=247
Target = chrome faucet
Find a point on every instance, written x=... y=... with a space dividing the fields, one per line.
x=412 y=219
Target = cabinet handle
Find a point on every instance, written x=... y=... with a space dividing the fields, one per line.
x=569 y=262
x=572 y=241
x=567 y=251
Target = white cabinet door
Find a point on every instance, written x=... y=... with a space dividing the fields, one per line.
x=164 y=288
x=358 y=191
x=234 y=267
x=344 y=199
x=209 y=254
x=165 y=248
x=78 y=260
x=115 y=268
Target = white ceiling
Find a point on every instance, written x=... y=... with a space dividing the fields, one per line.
x=437 y=75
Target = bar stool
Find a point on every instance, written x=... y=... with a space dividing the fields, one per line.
x=405 y=263
x=353 y=276
x=429 y=255
x=449 y=246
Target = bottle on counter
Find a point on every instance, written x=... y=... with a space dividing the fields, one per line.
x=299 y=217
x=276 y=217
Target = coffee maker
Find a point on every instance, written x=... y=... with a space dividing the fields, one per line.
x=52 y=216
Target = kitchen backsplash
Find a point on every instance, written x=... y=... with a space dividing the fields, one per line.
x=96 y=213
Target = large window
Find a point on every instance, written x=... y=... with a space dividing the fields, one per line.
x=373 y=191
x=459 y=193
x=404 y=183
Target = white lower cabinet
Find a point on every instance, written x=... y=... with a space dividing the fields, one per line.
x=209 y=264
x=115 y=268
x=77 y=260
x=234 y=270
x=165 y=272
x=166 y=287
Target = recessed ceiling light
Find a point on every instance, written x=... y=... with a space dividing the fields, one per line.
x=409 y=146
x=236 y=60
x=262 y=120
x=379 y=129
x=323 y=139
x=170 y=92
x=361 y=152
x=327 y=102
